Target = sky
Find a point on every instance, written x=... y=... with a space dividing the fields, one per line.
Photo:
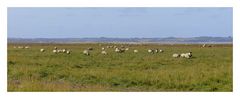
x=121 y=22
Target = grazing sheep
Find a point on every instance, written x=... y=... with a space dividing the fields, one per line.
x=64 y=50
x=160 y=51
x=54 y=51
x=189 y=54
x=186 y=55
x=42 y=50
x=90 y=48
x=150 y=51
x=118 y=50
x=26 y=47
x=86 y=52
x=103 y=48
x=205 y=45
x=126 y=49
x=156 y=50
x=175 y=55
x=68 y=51
x=135 y=51
x=104 y=52
x=55 y=48
x=21 y=47
x=14 y=47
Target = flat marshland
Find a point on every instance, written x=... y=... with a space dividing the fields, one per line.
x=209 y=69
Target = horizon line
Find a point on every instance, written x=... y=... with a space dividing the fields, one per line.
x=105 y=37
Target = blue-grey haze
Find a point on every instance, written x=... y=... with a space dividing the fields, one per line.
x=121 y=22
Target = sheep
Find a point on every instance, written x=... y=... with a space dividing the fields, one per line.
x=175 y=55
x=186 y=55
x=64 y=50
x=68 y=51
x=26 y=47
x=55 y=48
x=86 y=52
x=135 y=51
x=156 y=50
x=54 y=51
x=42 y=50
x=118 y=50
x=126 y=49
x=21 y=47
x=90 y=48
x=150 y=51
x=189 y=54
x=204 y=45
x=160 y=51
x=14 y=47
x=103 y=48
x=104 y=52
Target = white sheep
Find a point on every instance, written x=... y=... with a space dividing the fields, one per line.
x=21 y=47
x=175 y=55
x=156 y=50
x=126 y=49
x=54 y=51
x=26 y=47
x=64 y=50
x=150 y=51
x=186 y=55
x=55 y=48
x=104 y=52
x=160 y=51
x=86 y=52
x=68 y=51
x=135 y=51
x=42 y=50
x=103 y=48
x=118 y=50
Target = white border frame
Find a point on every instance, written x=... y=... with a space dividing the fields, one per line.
x=120 y=3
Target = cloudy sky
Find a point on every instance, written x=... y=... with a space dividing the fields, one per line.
x=118 y=22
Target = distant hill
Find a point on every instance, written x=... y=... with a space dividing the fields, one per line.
x=124 y=40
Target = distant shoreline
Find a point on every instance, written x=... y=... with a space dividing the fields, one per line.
x=167 y=40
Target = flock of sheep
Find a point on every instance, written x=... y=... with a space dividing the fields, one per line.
x=121 y=49
x=116 y=49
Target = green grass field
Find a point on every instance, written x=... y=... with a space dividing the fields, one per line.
x=210 y=68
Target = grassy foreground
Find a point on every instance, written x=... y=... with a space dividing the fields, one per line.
x=210 y=69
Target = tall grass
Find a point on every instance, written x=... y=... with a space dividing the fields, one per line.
x=210 y=69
